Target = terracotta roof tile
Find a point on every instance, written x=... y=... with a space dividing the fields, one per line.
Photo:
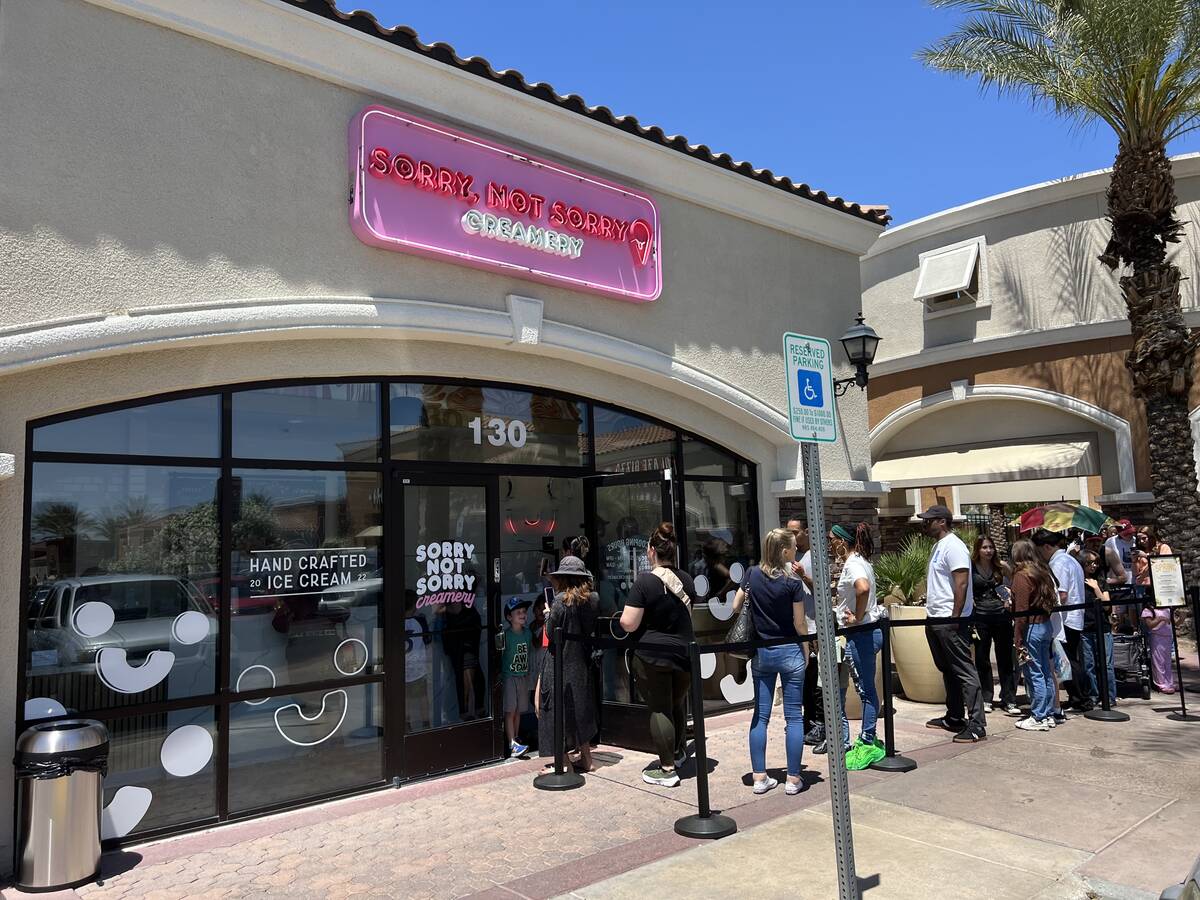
x=405 y=37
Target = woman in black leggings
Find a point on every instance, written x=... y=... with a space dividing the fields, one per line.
x=991 y=606
x=659 y=612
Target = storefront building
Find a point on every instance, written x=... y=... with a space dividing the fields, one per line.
x=1002 y=379
x=316 y=346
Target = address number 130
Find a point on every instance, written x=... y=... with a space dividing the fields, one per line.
x=498 y=432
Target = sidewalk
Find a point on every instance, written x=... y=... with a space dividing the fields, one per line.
x=1109 y=808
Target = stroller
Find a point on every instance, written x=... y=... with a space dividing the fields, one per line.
x=1131 y=645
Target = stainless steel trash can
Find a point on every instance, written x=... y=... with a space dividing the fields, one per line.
x=60 y=769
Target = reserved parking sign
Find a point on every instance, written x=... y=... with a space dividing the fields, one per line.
x=808 y=363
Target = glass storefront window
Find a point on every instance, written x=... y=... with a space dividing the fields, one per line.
x=720 y=541
x=307 y=577
x=162 y=770
x=118 y=555
x=296 y=746
x=464 y=423
x=313 y=422
x=701 y=459
x=190 y=427
x=626 y=443
x=447 y=616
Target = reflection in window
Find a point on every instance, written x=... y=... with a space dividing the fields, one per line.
x=462 y=423
x=307 y=576
x=170 y=755
x=701 y=458
x=118 y=555
x=304 y=745
x=625 y=443
x=188 y=427
x=720 y=540
x=336 y=422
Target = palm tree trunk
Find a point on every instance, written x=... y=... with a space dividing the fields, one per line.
x=1141 y=209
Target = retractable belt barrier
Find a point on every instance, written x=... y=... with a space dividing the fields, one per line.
x=707 y=824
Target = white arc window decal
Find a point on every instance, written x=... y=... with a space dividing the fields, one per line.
x=127 y=807
x=114 y=670
x=313 y=718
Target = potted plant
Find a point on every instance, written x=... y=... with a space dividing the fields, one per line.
x=900 y=578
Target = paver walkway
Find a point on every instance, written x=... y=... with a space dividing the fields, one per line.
x=1088 y=810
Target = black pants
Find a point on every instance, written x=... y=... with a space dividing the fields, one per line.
x=1078 y=686
x=665 y=690
x=814 y=712
x=999 y=631
x=951 y=648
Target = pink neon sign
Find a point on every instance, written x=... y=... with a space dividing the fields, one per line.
x=428 y=189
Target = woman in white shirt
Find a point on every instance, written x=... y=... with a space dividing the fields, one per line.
x=856 y=605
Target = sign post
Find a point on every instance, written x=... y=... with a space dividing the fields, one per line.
x=813 y=421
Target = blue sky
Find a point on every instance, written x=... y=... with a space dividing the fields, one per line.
x=825 y=91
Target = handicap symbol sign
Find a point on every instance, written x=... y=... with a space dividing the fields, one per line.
x=811 y=389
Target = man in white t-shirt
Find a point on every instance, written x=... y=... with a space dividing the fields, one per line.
x=1068 y=574
x=1118 y=553
x=814 y=730
x=948 y=595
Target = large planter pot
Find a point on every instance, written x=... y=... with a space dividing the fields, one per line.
x=854 y=702
x=919 y=677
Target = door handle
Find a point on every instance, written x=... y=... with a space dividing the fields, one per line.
x=496 y=570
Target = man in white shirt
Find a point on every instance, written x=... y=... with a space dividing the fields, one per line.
x=949 y=595
x=1068 y=574
x=814 y=730
x=1118 y=554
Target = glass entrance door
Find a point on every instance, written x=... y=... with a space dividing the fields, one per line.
x=446 y=636
x=622 y=512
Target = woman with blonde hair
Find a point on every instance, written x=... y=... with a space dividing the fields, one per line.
x=777 y=606
x=1034 y=597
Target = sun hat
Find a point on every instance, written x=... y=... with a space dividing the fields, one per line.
x=572 y=565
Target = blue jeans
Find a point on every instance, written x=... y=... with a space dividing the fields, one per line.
x=788 y=663
x=1090 y=655
x=1039 y=671
x=862 y=646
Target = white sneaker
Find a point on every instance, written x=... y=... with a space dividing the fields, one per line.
x=1032 y=724
x=987 y=707
x=793 y=789
x=1049 y=722
x=761 y=787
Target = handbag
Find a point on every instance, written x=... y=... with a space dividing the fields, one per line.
x=742 y=630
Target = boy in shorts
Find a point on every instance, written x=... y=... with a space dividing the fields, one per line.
x=514 y=669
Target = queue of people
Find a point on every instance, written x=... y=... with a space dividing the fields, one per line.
x=1018 y=612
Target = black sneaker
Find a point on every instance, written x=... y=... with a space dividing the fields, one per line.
x=970 y=735
x=946 y=724
x=815 y=735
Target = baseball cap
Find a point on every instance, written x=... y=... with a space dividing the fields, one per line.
x=512 y=604
x=1125 y=528
x=937 y=512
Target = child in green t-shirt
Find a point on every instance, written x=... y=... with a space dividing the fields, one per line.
x=514 y=669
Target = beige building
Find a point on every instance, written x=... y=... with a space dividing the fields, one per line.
x=268 y=491
x=1001 y=377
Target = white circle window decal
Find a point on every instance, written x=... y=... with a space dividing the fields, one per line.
x=356 y=666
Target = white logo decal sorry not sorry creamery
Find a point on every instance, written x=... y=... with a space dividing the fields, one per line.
x=444 y=580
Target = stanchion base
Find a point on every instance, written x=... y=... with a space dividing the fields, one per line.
x=1183 y=717
x=1193 y=688
x=558 y=781
x=895 y=763
x=702 y=828
x=1106 y=715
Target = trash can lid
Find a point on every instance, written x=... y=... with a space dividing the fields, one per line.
x=63 y=736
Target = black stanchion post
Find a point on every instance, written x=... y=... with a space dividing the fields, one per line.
x=1105 y=713
x=560 y=779
x=1182 y=715
x=704 y=824
x=893 y=762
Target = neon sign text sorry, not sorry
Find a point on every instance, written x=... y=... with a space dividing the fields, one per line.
x=412 y=180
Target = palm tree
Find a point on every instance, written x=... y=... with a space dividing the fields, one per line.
x=1135 y=66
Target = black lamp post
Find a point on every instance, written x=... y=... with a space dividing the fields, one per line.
x=860 y=343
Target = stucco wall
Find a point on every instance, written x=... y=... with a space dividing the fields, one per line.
x=1041 y=266
x=147 y=168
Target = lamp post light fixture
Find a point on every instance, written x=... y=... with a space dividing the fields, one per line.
x=860 y=343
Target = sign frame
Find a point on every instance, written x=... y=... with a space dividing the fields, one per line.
x=796 y=406
x=1166 y=576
